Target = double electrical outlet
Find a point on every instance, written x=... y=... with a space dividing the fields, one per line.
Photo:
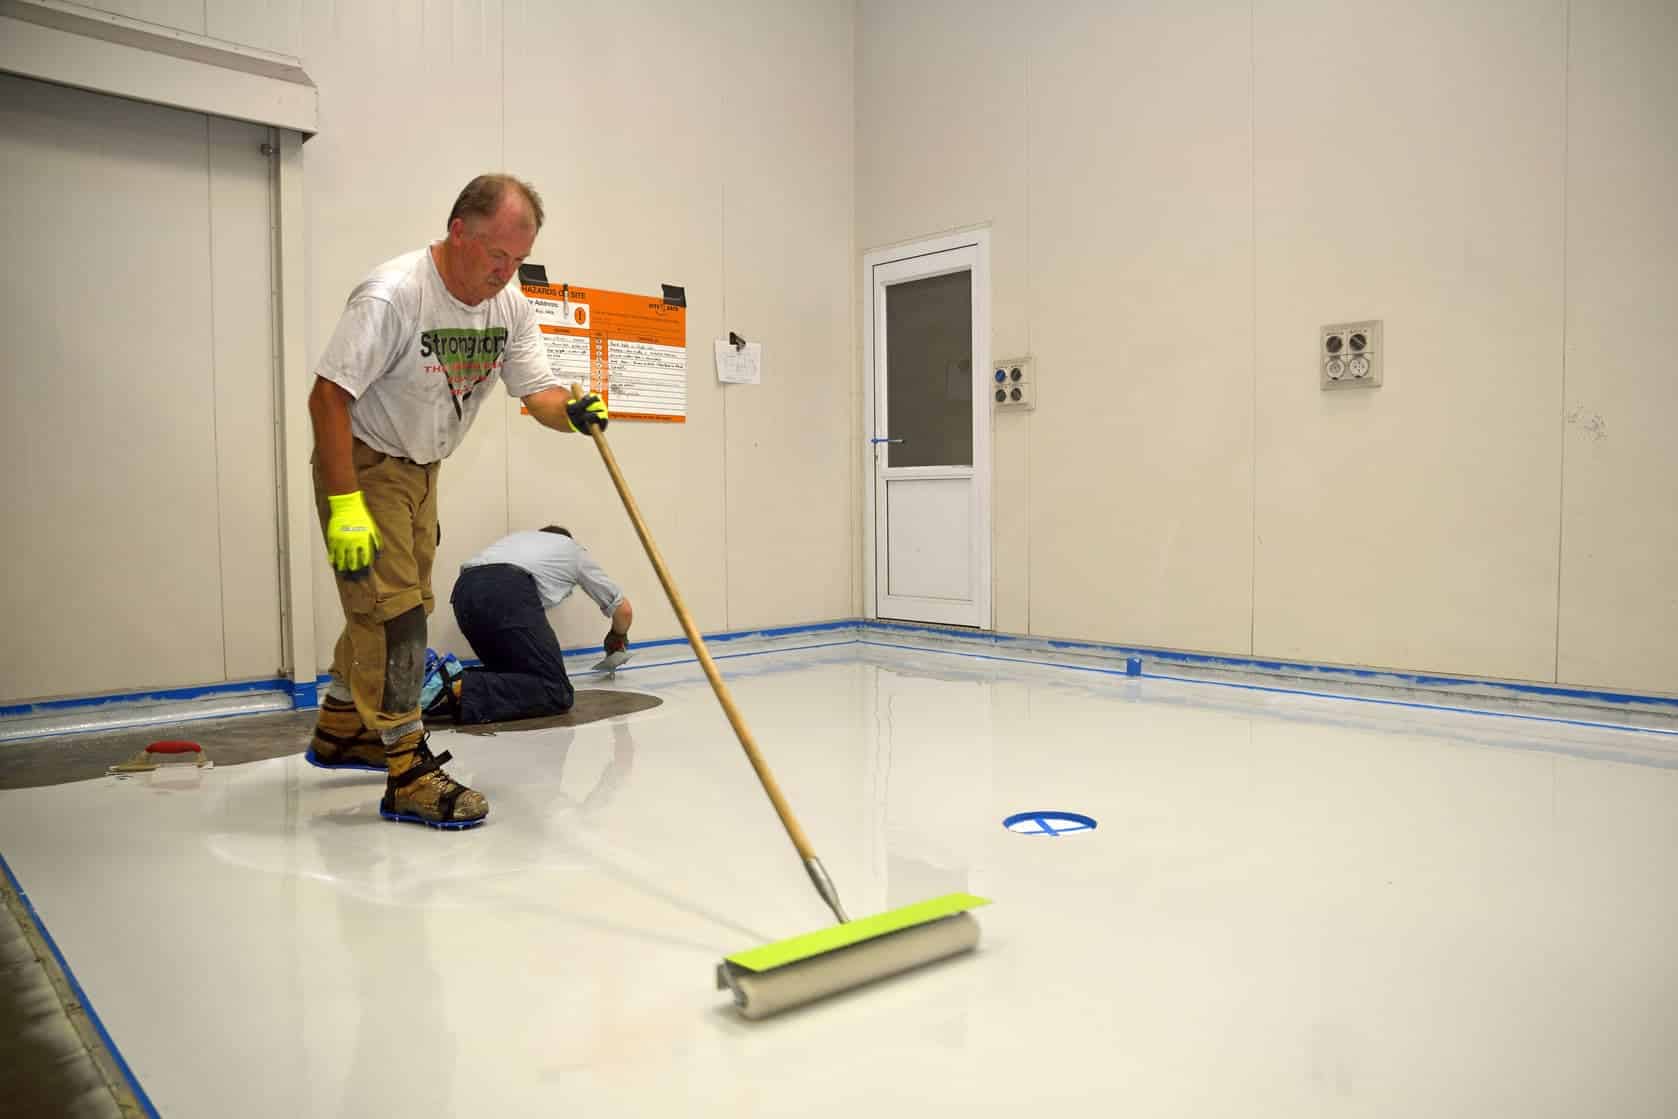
x=1012 y=386
x=1349 y=355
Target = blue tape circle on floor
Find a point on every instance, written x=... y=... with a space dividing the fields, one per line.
x=1048 y=823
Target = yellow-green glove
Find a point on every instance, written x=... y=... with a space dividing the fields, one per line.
x=351 y=536
x=589 y=410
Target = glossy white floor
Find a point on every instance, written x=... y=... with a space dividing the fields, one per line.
x=1290 y=907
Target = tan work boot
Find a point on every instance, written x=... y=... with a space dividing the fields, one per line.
x=341 y=742
x=419 y=792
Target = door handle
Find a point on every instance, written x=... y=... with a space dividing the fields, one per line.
x=882 y=440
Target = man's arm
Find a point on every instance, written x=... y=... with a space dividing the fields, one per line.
x=548 y=406
x=329 y=408
x=352 y=537
x=617 y=638
x=559 y=409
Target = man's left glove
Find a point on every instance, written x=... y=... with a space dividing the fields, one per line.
x=589 y=410
x=616 y=642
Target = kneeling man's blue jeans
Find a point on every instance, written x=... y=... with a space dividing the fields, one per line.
x=523 y=672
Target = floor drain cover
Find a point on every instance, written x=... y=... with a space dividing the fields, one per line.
x=1048 y=823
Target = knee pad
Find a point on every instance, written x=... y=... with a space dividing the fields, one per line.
x=404 y=661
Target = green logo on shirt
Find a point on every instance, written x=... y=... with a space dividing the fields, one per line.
x=466 y=357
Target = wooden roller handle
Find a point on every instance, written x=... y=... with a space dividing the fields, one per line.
x=741 y=731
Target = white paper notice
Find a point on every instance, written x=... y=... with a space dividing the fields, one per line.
x=647 y=379
x=567 y=356
x=739 y=367
x=567 y=353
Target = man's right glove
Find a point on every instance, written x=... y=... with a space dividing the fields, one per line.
x=351 y=536
x=616 y=642
x=589 y=410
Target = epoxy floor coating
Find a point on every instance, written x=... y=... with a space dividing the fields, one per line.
x=1290 y=907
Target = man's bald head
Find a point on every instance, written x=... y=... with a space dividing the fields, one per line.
x=485 y=196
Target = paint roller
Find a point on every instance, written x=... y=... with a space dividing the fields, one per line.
x=790 y=973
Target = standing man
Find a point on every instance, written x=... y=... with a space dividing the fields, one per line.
x=418 y=348
x=501 y=601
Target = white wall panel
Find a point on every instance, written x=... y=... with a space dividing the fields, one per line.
x=787 y=283
x=182 y=15
x=241 y=321
x=1619 y=598
x=112 y=564
x=1413 y=525
x=275 y=25
x=1141 y=280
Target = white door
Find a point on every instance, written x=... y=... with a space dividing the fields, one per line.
x=928 y=331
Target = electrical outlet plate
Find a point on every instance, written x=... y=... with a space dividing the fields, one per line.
x=1349 y=355
x=1012 y=385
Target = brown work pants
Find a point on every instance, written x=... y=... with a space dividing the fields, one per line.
x=381 y=653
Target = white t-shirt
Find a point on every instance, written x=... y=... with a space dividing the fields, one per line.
x=557 y=563
x=419 y=362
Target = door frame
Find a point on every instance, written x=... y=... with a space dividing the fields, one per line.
x=977 y=239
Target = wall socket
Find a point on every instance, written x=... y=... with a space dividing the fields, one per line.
x=1349 y=355
x=1012 y=385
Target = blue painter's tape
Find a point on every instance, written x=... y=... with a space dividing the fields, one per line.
x=733 y=635
x=306 y=696
x=140 y=1096
x=644 y=665
x=278 y=685
x=1629 y=728
x=1001 y=642
x=302 y=699
x=1166 y=656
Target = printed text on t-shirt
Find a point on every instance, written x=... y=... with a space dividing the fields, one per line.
x=466 y=357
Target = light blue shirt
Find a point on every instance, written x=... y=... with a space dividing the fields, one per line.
x=557 y=563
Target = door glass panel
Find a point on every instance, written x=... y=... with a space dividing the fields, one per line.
x=929 y=371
